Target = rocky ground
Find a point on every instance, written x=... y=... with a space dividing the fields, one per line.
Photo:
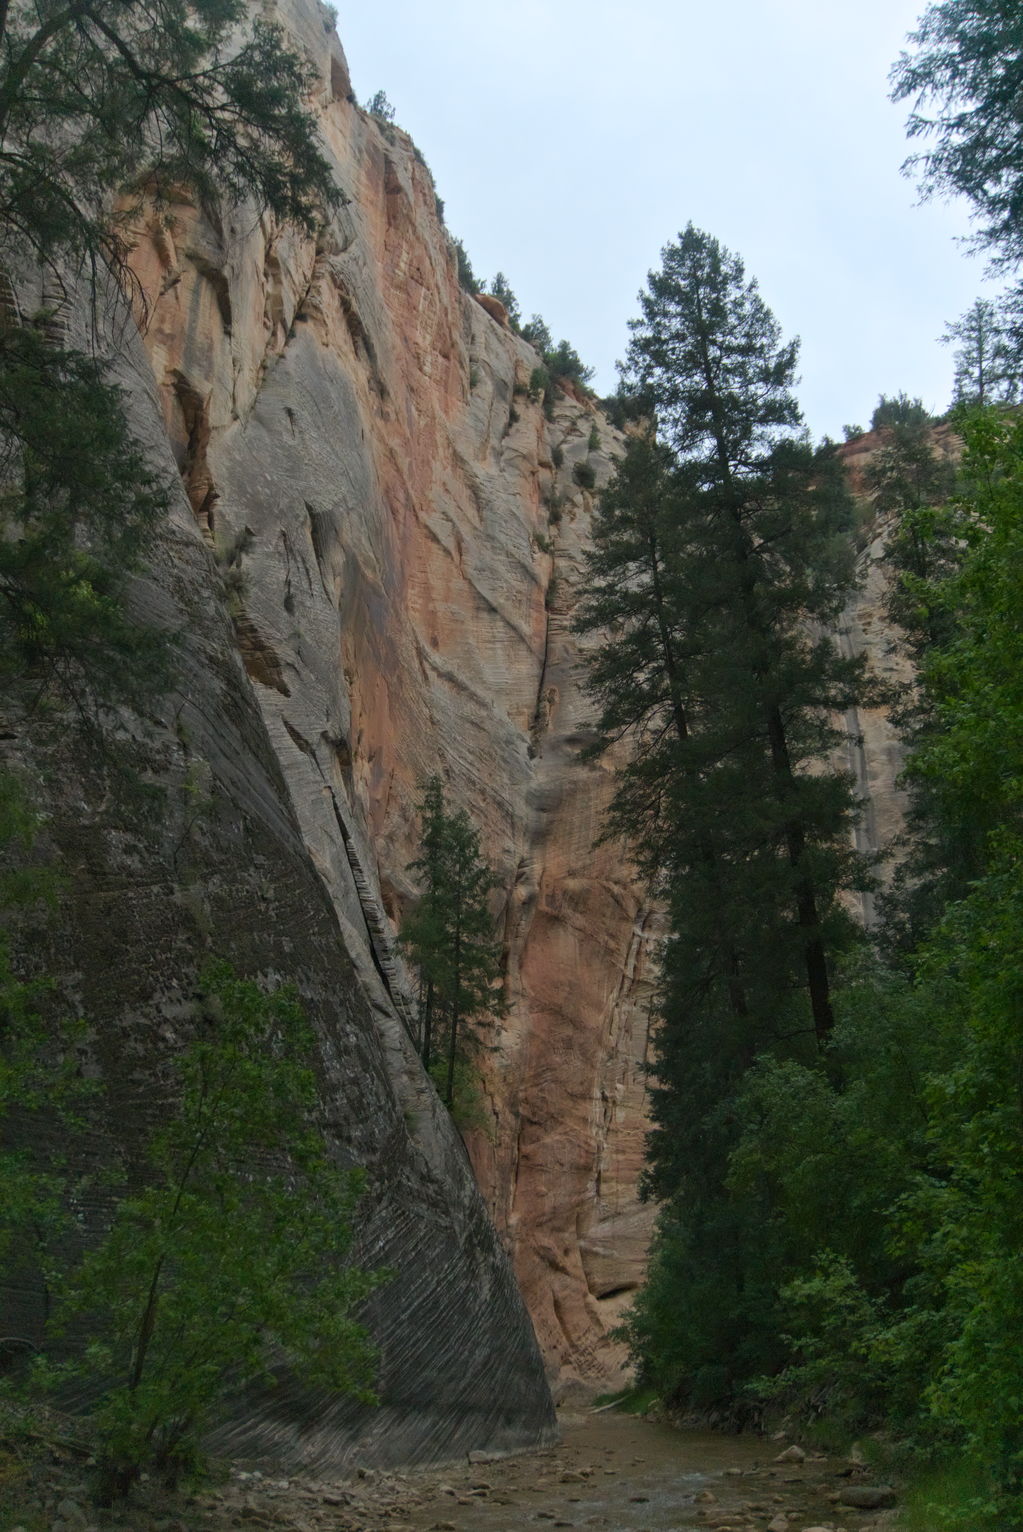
x=611 y=1471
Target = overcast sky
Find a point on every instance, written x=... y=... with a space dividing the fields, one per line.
x=571 y=139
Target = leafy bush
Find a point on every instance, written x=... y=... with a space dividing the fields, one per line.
x=898 y=410
x=565 y=362
x=228 y=1254
x=539 y=383
x=584 y=475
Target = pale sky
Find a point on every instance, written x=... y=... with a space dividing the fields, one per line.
x=571 y=139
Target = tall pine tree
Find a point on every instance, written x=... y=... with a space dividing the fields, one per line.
x=721 y=559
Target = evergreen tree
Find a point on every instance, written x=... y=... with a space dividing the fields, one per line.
x=104 y=108
x=964 y=80
x=450 y=936
x=500 y=288
x=763 y=517
x=721 y=555
x=538 y=335
x=101 y=100
x=78 y=505
x=977 y=336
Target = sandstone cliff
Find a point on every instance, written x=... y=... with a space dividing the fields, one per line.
x=385 y=529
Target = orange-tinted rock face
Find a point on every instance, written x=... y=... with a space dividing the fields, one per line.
x=359 y=448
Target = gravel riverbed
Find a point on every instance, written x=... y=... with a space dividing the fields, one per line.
x=611 y=1471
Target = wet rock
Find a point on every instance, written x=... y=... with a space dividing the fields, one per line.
x=706 y=1497
x=780 y=1523
x=867 y=1497
x=791 y=1455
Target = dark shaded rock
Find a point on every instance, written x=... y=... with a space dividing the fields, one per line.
x=866 y=1497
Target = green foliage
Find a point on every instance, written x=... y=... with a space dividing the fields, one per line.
x=378 y=106
x=558 y=361
x=963 y=81
x=466 y=276
x=105 y=108
x=104 y=100
x=79 y=503
x=912 y=476
x=37 y=1082
x=593 y=444
x=625 y=407
x=538 y=335
x=564 y=361
x=500 y=288
x=227 y=1251
x=539 y=384
x=988 y=361
x=899 y=410
x=890 y=1163
x=467 y=1104
x=449 y=936
x=585 y=475
x=713 y=548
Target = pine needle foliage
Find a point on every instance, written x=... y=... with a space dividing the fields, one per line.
x=449 y=936
x=721 y=557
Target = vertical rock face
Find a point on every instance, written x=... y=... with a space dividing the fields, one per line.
x=175 y=837
x=399 y=527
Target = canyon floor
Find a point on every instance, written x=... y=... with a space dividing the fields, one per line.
x=611 y=1471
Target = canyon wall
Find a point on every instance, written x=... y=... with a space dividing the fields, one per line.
x=372 y=568
x=399 y=527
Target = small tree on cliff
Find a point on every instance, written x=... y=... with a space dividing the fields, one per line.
x=450 y=936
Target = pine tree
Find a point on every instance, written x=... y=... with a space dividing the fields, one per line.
x=500 y=288
x=721 y=557
x=758 y=521
x=963 y=78
x=101 y=100
x=106 y=108
x=450 y=935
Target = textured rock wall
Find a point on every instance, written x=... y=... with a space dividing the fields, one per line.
x=176 y=837
x=380 y=493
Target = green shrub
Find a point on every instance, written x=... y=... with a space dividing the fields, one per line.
x=593 y=445
x=227 y=1252
x=468 y=1105
x=466 y=276
x=584 y=475
x=539 y=383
